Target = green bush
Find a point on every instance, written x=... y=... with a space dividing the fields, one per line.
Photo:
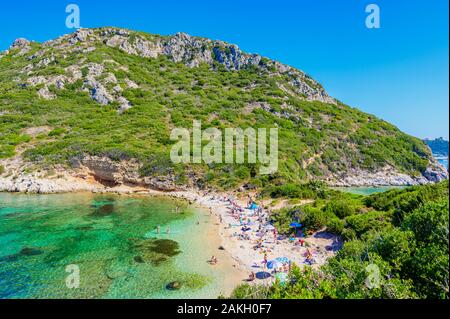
x=336 y=226
x=340 y=208
x=313 y=218
x=371 y=221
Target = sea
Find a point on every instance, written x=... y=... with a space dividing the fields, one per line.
x=104 y=246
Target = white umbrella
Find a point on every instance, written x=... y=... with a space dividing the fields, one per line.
x=270 y=227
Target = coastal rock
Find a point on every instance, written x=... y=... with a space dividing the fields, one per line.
x=435 y=172
x=103 y=169
x=386 y=176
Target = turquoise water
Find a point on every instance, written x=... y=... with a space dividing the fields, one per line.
x=367 y=190
x=112 y=240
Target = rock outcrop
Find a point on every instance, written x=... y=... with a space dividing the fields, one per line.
x=388 y=176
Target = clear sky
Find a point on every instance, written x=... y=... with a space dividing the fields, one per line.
x=398 y=72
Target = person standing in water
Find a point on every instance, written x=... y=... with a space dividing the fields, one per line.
x=158 y=229
x=168 y=230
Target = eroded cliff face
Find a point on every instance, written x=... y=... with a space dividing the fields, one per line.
x=89 y=173
x=101 y=174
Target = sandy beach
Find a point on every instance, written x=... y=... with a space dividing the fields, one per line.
x=246 y=256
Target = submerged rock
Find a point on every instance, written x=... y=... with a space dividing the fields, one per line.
x=28 y=251
x=24 y=252
x=104 y=210
x=114 y=271
x=155 y=251
x=139 y=259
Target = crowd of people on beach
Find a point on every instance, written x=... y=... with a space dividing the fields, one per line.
x=252 y=224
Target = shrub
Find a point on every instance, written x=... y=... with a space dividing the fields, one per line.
x=340 y=208
x=336 y=226
x=371 y=221
x=313 y=218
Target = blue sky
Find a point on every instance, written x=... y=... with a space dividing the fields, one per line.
x=398 y=72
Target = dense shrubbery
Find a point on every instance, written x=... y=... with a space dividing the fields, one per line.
x=301 y=191
x=402 y=202
x=410 y=253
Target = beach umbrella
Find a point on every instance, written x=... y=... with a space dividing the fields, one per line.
x=295 y=225
x=260 y=235
x=273 y=264
x=270 y=227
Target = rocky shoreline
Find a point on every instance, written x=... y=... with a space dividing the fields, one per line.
x=388 y=176
x=103 y=175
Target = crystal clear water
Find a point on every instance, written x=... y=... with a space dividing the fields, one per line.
x=112 y=239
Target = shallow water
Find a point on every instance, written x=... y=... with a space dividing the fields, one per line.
x=112 y=239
